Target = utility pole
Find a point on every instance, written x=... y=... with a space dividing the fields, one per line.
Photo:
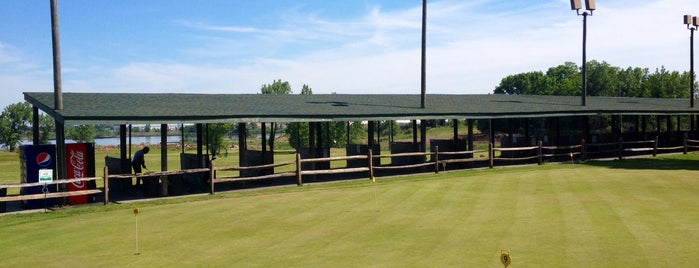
x=423 y=82
x=61 y=166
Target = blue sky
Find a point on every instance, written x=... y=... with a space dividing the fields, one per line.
x=353 y=46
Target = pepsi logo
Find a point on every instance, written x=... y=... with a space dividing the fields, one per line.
x=43 y=159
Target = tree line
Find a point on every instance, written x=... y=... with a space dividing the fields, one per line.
x=603 y=79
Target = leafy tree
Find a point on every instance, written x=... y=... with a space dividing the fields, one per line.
x=666 y=84
x=338 y=133
x=602 y=79
x=389 y=128
x=276 y=88
x=565 y=79
x=47 y=126
x=531 y=83
x=306 y=90
x=14 y=123
x=631 y=81
x=298 y=134
x=219 y=133
x=82 y=133
x=298 y=131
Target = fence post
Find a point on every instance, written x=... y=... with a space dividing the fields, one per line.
x=371 y=164
x=583 y=150
x=491 y=153
x=620 y=148
x=212 y=168
x=541 y=156
x=436 y=159
x=685 y=145
x=655 y=147
x=106 y=185
x=298 y=170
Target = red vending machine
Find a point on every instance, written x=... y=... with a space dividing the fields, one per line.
x=80 y=158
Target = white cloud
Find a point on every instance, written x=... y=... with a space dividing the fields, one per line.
x=20 y=75
x=7 y=54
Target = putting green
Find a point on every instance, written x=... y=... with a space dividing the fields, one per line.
x=602 y=215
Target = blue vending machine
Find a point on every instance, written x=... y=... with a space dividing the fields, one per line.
x=33 y=158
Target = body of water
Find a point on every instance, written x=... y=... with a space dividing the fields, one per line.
x=114 y=141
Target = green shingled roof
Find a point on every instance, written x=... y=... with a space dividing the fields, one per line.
x=118 y=108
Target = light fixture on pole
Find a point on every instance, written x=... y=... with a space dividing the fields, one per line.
x=692 y=24
x=589 y=6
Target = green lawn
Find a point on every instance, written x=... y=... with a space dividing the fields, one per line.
x=633 y=213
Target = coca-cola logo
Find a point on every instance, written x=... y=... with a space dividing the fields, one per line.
x=77 y=163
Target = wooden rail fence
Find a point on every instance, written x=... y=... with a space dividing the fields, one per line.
x=539 y=153
x=48 y=195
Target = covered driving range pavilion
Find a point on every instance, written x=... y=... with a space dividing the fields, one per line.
x=627 y=115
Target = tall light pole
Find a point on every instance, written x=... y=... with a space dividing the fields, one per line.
x=61 y=166
x=423 y=82
x=589 y=6
x=55 y=40
x=692 y=24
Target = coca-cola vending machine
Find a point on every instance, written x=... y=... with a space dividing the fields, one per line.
x=80 y=159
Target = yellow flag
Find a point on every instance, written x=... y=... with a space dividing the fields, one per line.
x=373 y=179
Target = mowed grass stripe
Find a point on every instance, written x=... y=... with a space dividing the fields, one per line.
x=399 y=230
x=319 y=218
x=488 y=223
x=580 y=231
x=457 y=205
x=634 y=212
x=538 y=225
x=611 y=230
x=427 y=217
x=650 y=215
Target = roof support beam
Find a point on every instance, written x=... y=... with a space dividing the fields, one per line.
x=125 y=165
x=35 y=125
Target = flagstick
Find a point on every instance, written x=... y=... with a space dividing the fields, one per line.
x=376 y=201
x=572 y=160
x=137 y=253
x=135 y=213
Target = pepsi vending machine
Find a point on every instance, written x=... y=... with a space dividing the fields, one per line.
x=81 y=164
x=32 y=158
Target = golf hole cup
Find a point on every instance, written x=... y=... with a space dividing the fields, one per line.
x=505 y=257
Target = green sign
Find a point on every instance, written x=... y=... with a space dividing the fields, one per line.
x=45 y=175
